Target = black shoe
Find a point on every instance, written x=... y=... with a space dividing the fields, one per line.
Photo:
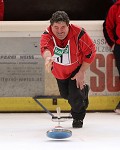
x=77 y=123
x=118 y=105
x=117 y=109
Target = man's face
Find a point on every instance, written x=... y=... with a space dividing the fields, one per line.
x=60 y=29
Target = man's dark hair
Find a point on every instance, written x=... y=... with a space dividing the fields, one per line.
x=59 y=16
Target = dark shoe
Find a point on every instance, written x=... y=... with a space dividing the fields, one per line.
x=77 y=123
x=117 y=109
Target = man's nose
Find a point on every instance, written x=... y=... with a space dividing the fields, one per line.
x=59 y=30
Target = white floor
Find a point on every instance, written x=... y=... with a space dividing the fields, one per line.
x=27 y=131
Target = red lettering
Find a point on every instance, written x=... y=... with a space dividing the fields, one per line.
x=97 y=83
x=112 y=81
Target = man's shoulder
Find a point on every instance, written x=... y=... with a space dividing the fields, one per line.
x=75 y=29
x=47 y=33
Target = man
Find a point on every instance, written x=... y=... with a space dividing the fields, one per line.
x=111 y=31
x=68 y=52
x=1 y=10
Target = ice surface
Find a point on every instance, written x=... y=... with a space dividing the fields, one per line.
x=27 y=131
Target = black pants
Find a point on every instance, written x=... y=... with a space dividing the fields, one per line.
x=117 y=57
x=68 y=90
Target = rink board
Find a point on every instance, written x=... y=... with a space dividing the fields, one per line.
x=27 y=104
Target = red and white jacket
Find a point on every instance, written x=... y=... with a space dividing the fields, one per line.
x=1 y=10
x=111 y=25
x=81 y=46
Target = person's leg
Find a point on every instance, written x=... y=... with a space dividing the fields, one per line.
x=78 y=99
x=77 y=110
x=78 y=102
x=116 y=53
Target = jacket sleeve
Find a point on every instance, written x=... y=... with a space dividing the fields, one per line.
x=87 y=47
x=1 y=10
x=109 y=26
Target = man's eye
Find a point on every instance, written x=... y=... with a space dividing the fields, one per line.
x=62 y=28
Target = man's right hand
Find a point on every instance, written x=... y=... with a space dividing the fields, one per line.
x=48 y=63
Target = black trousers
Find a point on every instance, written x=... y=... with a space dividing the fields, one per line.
x=69 y=91
x=116 y=53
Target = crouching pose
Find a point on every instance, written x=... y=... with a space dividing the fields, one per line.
x=68 y=52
